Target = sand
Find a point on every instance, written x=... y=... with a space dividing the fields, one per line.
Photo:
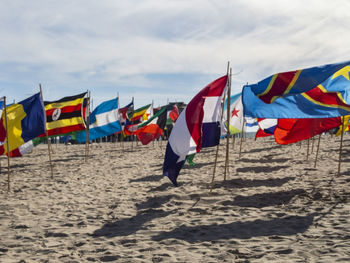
x=117 y=207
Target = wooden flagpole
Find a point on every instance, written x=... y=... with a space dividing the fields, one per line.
x=7 y=147
x=217 y=147
x=233 y=141
x=318 y=148
x=228 y=126
x=240 y=146
x=313 y=142
x=87 y=133
x=47 y=134
x=341 y=144
x=307 y=152
x=132 y=136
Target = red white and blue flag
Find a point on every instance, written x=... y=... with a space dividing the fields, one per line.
x=198 y=126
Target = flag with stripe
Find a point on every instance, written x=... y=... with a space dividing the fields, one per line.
x=143 y=112
x=25 y=121
x=153 y=127
x=65 y=115
x=198 y=126
x=104 y=121
x=324 y=97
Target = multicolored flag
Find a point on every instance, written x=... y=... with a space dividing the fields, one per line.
x=198 y=126
x=152 y=128
x=143 y=112
x=65 y=115
x=346 y=122
x=104 y=121
x=318 y=92
x=25 y=121
x=236 y=114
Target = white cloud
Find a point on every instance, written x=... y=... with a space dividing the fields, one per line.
x=108 y=45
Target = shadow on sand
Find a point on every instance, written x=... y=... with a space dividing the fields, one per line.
x=285 y=226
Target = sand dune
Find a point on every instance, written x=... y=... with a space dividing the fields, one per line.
x=273 y=207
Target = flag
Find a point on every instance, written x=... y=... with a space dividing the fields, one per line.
x=65 y=115
x=174 y=113
x=153 y=127
x=236 y=114
x=25 y=148
x=198 y=126
x=25 y=121
x=143 y=112
x=318 y=92
x=294 y=130
x=266 y=127
x=346 y=121
x=104 y=121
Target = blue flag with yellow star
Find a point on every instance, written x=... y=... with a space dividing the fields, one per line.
x=278 y=96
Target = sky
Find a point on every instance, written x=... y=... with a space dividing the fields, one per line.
x=161 y=50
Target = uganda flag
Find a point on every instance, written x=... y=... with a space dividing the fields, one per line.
x=153 y=128
x=65 y=115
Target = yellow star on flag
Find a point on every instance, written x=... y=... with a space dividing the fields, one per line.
x=342 y=72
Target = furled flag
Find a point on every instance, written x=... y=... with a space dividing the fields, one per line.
x=65 y=115
x=143 y=112
x=2 y=127
x=151 y=129
x=25 y=121
x=104 y=121
x=318 y=92
x=198 y=126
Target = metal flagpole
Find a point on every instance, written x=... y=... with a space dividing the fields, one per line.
x=307 y=152
x=7 y=147
x=47 y=134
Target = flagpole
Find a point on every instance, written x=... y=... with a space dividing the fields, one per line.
x=228 y=126
x=307 y=152
x=217 y=147
x=46 y=133
x=313 y=142
x=132 y=136
x=318 y=147
x=233 y=141
x=341 y=144
x=7 y=147
x=87 y=129
x=240 y=146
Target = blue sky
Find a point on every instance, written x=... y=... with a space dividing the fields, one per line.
x=161 y=50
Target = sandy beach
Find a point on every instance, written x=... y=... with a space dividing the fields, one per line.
x=117 y=207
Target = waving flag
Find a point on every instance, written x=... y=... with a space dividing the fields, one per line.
x=198 y=126
x=25 y=121
x=236 y=114
x=294 y=130
x=65 y=115
x=153 y=127
x=143 y=112
x=104 y=121
x=319 y=92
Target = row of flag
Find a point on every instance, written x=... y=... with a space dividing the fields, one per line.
x=292 y=106
x=25 y=124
